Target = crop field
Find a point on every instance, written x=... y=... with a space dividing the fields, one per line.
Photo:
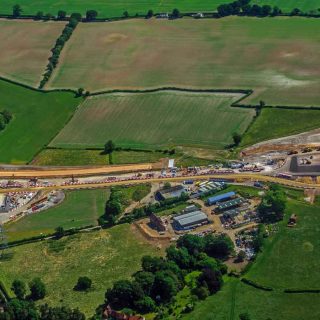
x=289 y=260
x=79 y=209
x=105 y=256
x=25 y=48
x=155 y=119
x=284 y=122
x=37 y=118
x=277 y=57
x=116 y=8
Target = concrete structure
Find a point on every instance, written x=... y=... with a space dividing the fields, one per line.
x=174 y=192
x=312 y=169
x=220 y=198
x=190 y=220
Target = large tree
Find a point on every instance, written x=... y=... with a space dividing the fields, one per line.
x=16 y=10
x=273 y=205
x=37 y=288
x=19 y=288
x=109 y=147
x=91 y=15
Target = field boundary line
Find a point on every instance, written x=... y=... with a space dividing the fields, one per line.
x=245 y=92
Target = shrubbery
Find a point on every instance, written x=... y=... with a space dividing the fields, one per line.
x=5 y=118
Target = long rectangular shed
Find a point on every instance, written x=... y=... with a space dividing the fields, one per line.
x=189 y=220
x=230 y=204
x=221 y=197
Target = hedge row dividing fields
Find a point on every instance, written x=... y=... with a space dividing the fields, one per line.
x=108 y=9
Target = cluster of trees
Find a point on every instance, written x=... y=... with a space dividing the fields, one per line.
x=64 y=37
x=243 y=7
x=36 y=286
x=17 y=309
x=114 y=206
x=5 y=118
x=145 y=211
x=273 y=205
x=162 y=278
x=23 y=306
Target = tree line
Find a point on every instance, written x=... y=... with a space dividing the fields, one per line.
x=243 y=7
x=238 y=7
x=60 y=42
x=154 y=287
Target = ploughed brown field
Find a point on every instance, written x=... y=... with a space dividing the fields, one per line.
x=277 y=57
x=25 y=48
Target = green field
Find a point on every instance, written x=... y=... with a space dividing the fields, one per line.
x=104 y=256
x=80 y=157
x=293 y=255
x=236 y=298
x=155 y=120
x=70 y=157
x=116 y=8
x=79 y=209
x=276 y=123
x=276 y=57
x=37 y=118
x=289 y=259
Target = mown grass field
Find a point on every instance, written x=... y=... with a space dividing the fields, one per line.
x=276 y=123
x=70 y=157
x=116 y=8
x=37 y=118
x=276 y=57
x=154 y=120
x=289 y=260
x=25 y=48
x=80 y=157
x=236 y=298
x=104 y=256
x=79 y=209
x=292 y=256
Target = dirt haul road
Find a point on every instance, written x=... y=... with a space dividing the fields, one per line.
x=232 y=177
x=76 y=171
